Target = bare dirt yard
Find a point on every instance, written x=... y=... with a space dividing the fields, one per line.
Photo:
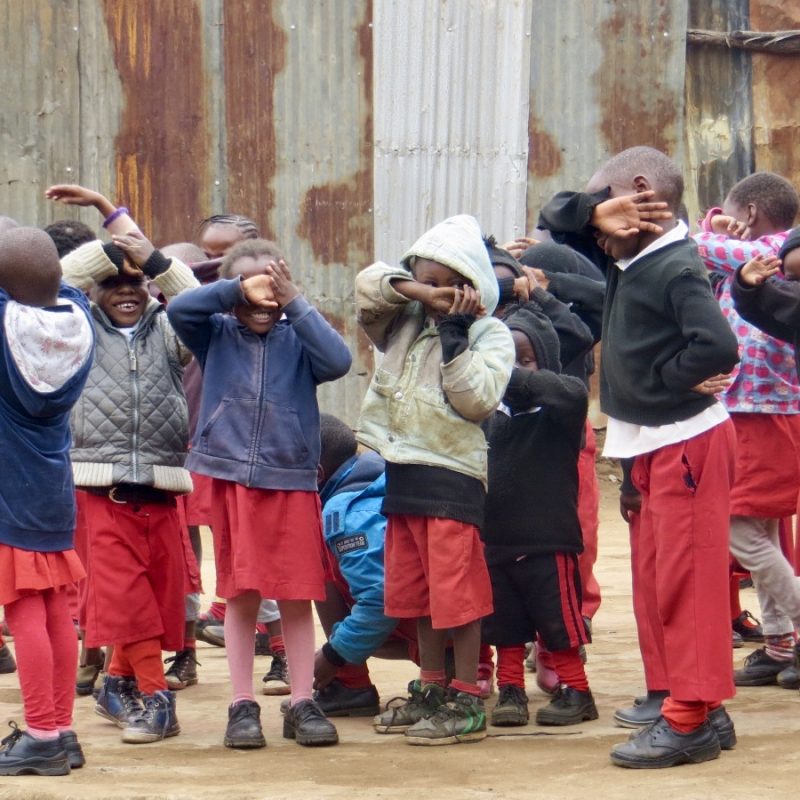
x=511 y=763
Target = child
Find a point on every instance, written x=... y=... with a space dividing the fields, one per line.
x=446 y=364
x=532 y=531
x=657 y=385
x=763 y=399
x=258 y=438
x=46 y=354
x=129 y=444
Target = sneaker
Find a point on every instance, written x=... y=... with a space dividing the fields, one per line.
x=736 y=640
x=460 y=719
x=512 y=707
x=72 y=747
x=486 y=679
x=21 y=754
x=568 y=707
x=748 y=627
x=183 y=671
x=119 y=700
x=262 y=646
x=723 y=726
x=422 y=701
x=7 y=662
x=87 y=679
x=307 y=725
x=658 y=745
x=338 y=700
x=276 y=681
x=759 y=669
x=155 y=722
x=244 y=726
x=210 y=632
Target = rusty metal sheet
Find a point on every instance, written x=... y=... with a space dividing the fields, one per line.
x=718 y=107
x=604 y=76
x=450 y=129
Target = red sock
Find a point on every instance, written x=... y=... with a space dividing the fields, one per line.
x=276 y=645
x=684 y=716
x=569 y=668
x=217 y=610
x=510 y=666
x=467 y=688
x=354 y=676
x=190 y=644
x=436 y=676
x=486 y=656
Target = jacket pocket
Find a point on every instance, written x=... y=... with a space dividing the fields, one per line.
x=229 y=430
x=283 y=442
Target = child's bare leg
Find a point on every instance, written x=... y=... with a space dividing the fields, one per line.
x=466 y=647
x=432 y=644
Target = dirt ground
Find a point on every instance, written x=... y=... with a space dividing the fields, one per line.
x=531 y=762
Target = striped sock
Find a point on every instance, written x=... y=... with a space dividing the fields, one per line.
x=780 y=647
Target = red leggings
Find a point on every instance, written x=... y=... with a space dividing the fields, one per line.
x=46 y=648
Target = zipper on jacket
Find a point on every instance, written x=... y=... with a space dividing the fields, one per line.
x=260 y=418
x=134 y=373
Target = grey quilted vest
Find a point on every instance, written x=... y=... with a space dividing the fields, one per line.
x=131 y=422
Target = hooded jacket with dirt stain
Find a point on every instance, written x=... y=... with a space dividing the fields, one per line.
x=419 y=409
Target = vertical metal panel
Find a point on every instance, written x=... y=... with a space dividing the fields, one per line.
x=451 y=90
x=718 y=107
x=39 y=98
x=604 y=76
x=776 y=125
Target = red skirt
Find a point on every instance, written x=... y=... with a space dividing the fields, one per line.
x=269 y=541
x=197 y=504
x=25 y=572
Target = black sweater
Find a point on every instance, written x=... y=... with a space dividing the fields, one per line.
x=532 y=502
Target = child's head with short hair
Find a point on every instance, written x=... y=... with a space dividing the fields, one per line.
x=220 y=232
x=245 y=260
x=69 y=235
x=765 y=202
x=188 y=252
x=338 y=444
x=30 y=270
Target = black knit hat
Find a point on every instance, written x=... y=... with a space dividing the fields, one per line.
x=500 y=257
x=114 y=254
x=538 y=328
x=552 y=257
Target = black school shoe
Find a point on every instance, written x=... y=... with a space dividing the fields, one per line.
x=723 y=727
x=658 y=746
x=244 y=726
x=511 y=709
x=305 y=723
x=72 y=747
x=644 y=711
x=338 y=700
x=21 y=754
x=568 y=707
x=760 y=669
x=748 y=627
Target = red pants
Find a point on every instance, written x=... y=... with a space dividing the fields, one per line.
x=589 y=516
x=680 y=565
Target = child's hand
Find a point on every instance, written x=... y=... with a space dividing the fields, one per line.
x=630 y=503
x=725 y=225
x=324 y=671
x=74 y=195
x=713 y=385
x=135 y=245
x=626 y=217
x=131 y=272
x=259 y=291
x=758 y=269
x=536 y=277
x=467 y=301
x=284 y=290
x=519 y=245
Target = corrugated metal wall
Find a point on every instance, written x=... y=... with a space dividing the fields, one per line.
x=347 y=127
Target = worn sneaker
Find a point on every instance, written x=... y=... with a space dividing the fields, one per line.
x=338 y=700
x=7 y=662
x=155 y=722
x=748 y=627
x=512 y=708
x=211 y=631
x=119 y=700
x=276 y=681
x=307 y=725
x=759 y=669
x=244 y=726
x=262 y=645
x=183 y=671
x=421 y=702
x=21 y=754
x=568 y=707
x=461 y=718
x=72 y=747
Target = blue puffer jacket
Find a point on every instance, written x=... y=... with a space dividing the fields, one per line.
x=259 y=419
x=354 y=532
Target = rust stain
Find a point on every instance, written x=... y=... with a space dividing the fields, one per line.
x=336 y=218
x=162 y=145
x=255 y=53
x=544 y=154
x=637 y=105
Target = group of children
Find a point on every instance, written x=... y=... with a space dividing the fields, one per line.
x=470 y=521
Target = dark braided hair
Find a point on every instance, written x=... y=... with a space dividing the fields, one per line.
x=246 y=226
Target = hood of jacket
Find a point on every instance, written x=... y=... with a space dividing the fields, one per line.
x=354 y=475
x=458 y=244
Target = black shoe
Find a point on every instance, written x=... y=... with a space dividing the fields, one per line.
x=644 y=711
x=789 y=677
x=262 y=646
x=72 y=747
x=337 y=700
x=155 y=722
x=210 y=631
x=568 y=707
x=21 y=754
x=723 y=726
x=305 y=723
x=277 y=681
x=736 y=640
x=748 y=627
x=658 y=745
x=244 y=726
x=7 y=663
x=511 y=709
x=183 y=671
x=759 y=669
